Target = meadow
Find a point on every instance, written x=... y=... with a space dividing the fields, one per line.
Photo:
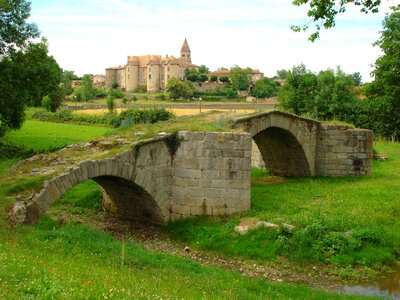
x=78 y=261
x=348 y=223
x=42 y=136
x=346 y=226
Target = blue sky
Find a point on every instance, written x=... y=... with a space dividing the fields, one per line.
x=89 y=36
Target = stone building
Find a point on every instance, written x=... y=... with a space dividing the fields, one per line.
x=151 y=71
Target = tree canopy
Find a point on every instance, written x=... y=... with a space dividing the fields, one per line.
x=26 y=77
x=323 y=13
x=179 y=89
x=328 y=95
x=383 y=94
x=15 y=31
x=241 y=78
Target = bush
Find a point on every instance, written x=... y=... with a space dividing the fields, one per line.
x=8 y=151
x=153 y=115
x=141 y=89
x=224 y=79
x=116 y=94
x=213 y=78
x=46 y=103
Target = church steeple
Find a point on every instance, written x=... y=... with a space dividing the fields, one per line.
x=186 y=53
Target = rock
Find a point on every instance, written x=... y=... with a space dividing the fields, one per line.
x=379 y=156
x=288 y=226
x=187 y=249
x=139 y=133
x=107 y=144
x=242 y=229
x=17 y=213
x=162 y=133
x=266 y=224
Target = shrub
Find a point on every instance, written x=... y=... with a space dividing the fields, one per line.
x=116 y=94
x=46 y=103
x=8 y=151
x=153 y=115
x=141 y=89
x=213 y=78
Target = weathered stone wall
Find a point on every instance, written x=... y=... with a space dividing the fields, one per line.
x=164 y=179
x=343 y=151
x=211 y=174
x=256 y=157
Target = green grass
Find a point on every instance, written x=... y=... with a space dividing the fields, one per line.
x=46 y=135
x=79 y=262
x=347 y=221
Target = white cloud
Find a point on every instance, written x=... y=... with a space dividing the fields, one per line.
x=89 y=36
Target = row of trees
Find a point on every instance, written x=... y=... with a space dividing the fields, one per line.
x=331 y=94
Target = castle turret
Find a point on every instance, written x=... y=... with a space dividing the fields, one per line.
x=132 y=73
x=153 y=73
x=186 y=57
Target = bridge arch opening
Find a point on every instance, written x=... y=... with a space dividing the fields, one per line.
x=282 y=153
x=128 y=201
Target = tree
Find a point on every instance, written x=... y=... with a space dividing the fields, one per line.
x=282 y=74
x=224 y=79
x=179 y=89
x=298 y=90
x=264 y=88
x=26 y=76
x=66 y=82
x=87 y=91
x=357 y=78
x=110 y=103
x=15 y=32
x=213 y=78
x=203 y=69
x=41 y=72
x=383 y=94
x=193 y=77
x=241 y=78
x=231 y=92
x=203 y=77
x=328 y=95
x=323 y=13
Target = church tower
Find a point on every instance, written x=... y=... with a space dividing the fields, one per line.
x=186 y=53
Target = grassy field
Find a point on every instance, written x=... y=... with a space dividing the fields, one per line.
x=347 y=225
x=45 y=136
x=343 y=222
x=76 y=261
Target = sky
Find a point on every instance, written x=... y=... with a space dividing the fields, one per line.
x=88 y=36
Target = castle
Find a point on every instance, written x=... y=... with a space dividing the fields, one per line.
x=150 y=71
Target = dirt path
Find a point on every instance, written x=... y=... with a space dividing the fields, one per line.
x=152 y=239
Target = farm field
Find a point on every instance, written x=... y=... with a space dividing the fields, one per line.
x=177 y=111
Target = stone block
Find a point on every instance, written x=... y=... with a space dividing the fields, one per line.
x=185 y=182
x=53 y=190
x=33 y=213
x=195 y=191
x=214 y=193
x=65 y=181
x=187 y=173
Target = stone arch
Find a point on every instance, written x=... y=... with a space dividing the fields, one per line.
x=287 y=143
x=282 y=153
x=119 y=180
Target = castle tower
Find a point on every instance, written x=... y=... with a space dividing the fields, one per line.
x=186 y=57
x=132 y=73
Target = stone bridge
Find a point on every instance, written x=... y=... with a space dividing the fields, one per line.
x=209 y=173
